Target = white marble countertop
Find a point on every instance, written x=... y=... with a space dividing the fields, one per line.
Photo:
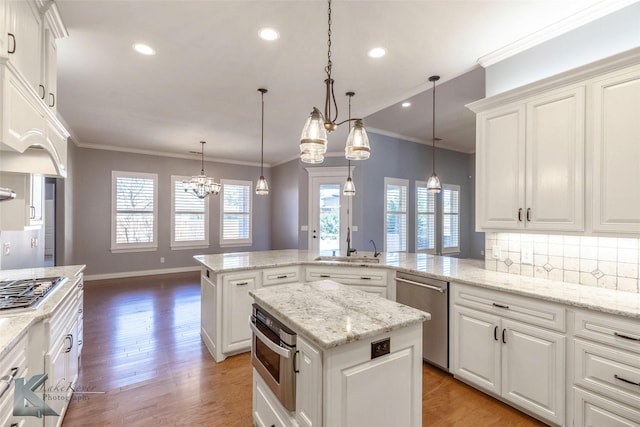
x=331 y=314
x=15 y=324
x=466 y=271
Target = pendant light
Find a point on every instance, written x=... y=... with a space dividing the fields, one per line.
x=433 y=183
x=261 y=187
x=202 y=185
x=349 y=187
x=313 y=141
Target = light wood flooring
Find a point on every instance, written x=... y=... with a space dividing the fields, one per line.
x=142 y=349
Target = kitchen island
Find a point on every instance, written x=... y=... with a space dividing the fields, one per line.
x=359 y=357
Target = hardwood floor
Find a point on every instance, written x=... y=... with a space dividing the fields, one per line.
x=145 y=365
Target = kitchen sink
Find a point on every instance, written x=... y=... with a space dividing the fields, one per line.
x=351 y=259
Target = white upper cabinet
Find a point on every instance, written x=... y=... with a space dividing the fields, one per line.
x=530 y=163
x=615 y=139
x=24 y=42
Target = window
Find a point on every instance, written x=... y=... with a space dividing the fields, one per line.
x=450 y=218
x=425 y=219
x=395 y=218
x=190 y=217
x=134 y=211
x=235 y=213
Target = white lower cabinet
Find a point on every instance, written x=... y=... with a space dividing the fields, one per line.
x=519 y=362
x=12 y=366
x=606 y=370
x=267 y=411
x=308 y=385
x=368 y=279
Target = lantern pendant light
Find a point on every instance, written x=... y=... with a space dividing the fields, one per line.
x=262 y=188
x=313 y=140
x=433 y=183
x=202 y=185
x=349 y=188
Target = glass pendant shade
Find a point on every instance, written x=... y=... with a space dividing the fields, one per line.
x=313 y=141
x=433 y=184
x=262 y=188
x=357 y=147
x=202 y=186
x=349 y=188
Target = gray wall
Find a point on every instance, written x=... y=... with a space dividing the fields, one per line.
x=285 y=190
x=92 y=210
x=607 y=36
x=395 y=158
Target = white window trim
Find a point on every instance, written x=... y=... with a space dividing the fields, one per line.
x=187 y=244
x=129 y=247
x=452 y=250
x=236 y=242
x=400 y=182
x=435 y=243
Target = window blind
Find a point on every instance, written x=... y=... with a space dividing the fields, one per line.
x=425 y=218
x=189 y=215
x=450 y=218
x=236 y=212
x=395 y=215
x=134 y=214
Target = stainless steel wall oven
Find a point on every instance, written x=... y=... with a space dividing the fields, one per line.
x=273 y=354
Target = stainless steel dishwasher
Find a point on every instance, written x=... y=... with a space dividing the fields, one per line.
x=432 y=296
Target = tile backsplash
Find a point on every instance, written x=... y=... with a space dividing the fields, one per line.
x=604 y=262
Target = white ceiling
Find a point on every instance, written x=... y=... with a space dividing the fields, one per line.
x=202 y=84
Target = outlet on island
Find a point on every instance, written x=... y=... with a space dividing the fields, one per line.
x=6 y=249
x=161 y=260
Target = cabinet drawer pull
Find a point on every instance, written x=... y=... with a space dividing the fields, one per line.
x=365 y=278
x=242 y=283
x=504 y=339
x=495 y=333
x=13 y=39
x=7 y=380
x=52 y=100
x=325 y=275
x=529 y=214
x=32 y=212
x=626 y=337
x=520 y=214
x=625 y=380
x=506 y=307
x=282 y=276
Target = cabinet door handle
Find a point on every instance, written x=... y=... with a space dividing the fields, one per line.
x=626 y=337
x=32 y=212
x=495 y=333
x=13 y=39
x=365 y=278
x=242 y=283
x=43 y=90
x=528 y=214
x=504 y=339
x=70 y=338
x=7 y=380
x=520 y=215
x=625 y=380
x=325 y=275
x=52 y=100
x=506 y=307
x=283 y=276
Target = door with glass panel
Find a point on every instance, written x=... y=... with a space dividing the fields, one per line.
x=329 y=214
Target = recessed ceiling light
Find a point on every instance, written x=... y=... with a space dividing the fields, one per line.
x=406 y=104
x=269 y=34
x=377 y=52
x=144 y=49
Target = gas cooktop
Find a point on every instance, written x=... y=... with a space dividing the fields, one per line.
x=26 y=293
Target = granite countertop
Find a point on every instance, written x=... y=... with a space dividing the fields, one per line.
x=465 y=271
x=331 y=314
x=15 y=324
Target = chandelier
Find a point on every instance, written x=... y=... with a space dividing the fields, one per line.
x=313 y=141
x=433 y=183
x=201 y=185
x=262 y=188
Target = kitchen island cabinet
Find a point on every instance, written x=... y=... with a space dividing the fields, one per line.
x=343 y=379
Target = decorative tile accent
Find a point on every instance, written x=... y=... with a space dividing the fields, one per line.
x=605 y=262
x=597 y=273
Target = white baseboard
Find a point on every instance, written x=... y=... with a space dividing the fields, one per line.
x=126 y=274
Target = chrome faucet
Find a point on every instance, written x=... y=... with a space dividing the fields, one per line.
x=376 y=254
x=350 y=250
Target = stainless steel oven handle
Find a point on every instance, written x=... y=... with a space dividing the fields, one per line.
x=276 y=348
x=424 y=285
